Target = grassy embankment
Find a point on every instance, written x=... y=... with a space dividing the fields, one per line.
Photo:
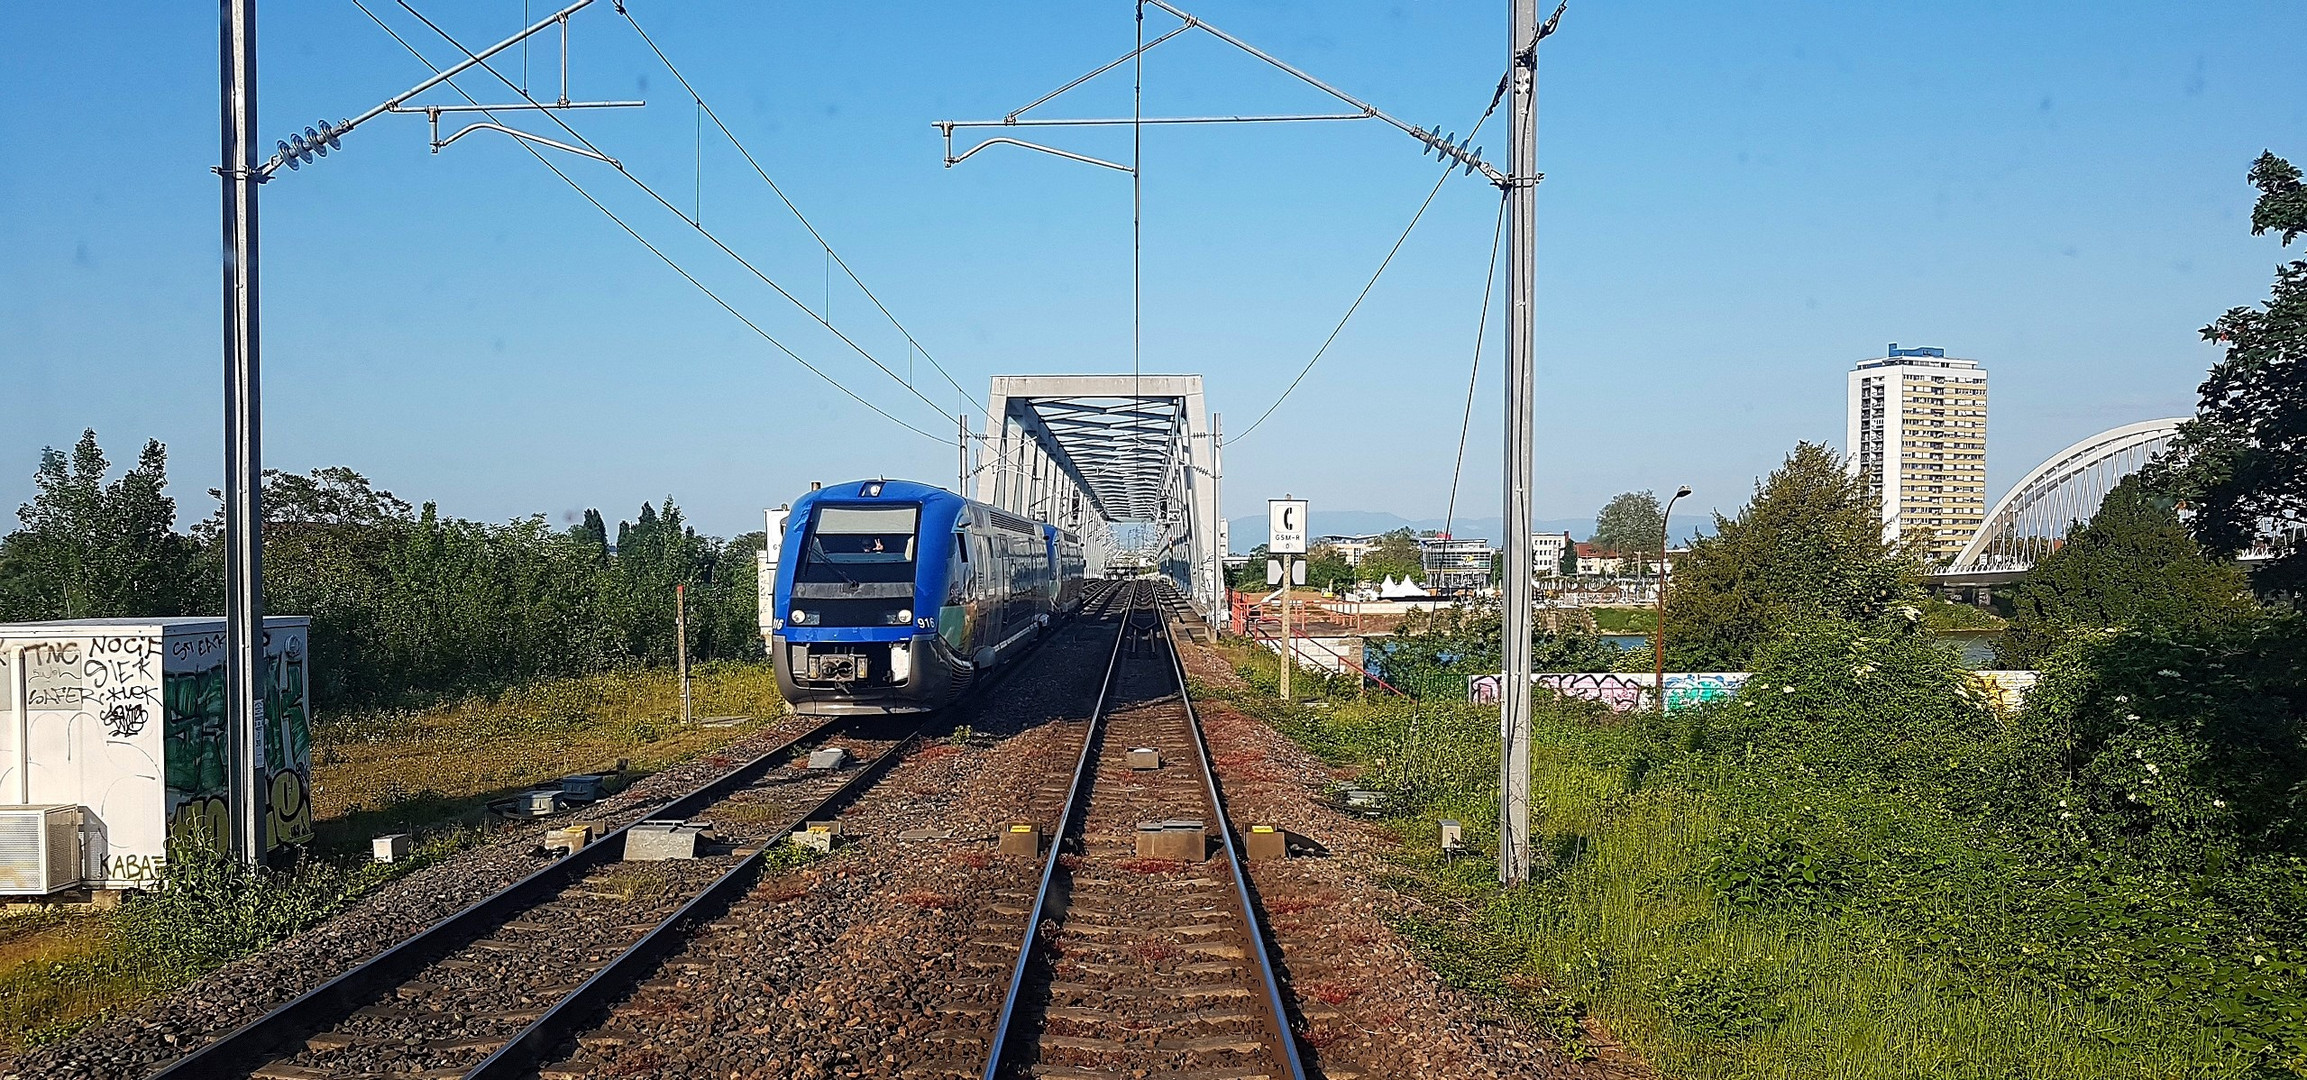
x=429 y=771
x=1732 y=914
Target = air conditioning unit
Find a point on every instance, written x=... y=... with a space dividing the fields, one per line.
x=39 y=849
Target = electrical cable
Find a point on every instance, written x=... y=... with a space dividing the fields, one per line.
x=715 y=117
x=708 y=234
x=653 y=249
x=1481 y=331
x=1373 y=282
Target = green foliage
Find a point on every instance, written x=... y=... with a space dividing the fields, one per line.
x=1436 y=648
x=1630 y=524
x=1942 y=614
x=2132 y=564
x=1326 y=568
x=406 y=604
x=89 y=549
x=1857 y=867
x=2241 y=463
x=2183 y=749
x=210 y=910
x=1397 y=556
x=1808 y=547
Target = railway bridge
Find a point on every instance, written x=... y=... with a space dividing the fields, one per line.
x=1106 y=455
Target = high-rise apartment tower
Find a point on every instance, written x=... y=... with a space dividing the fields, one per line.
x=1918 y=435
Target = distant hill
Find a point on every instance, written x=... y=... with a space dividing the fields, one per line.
x=1249 y=532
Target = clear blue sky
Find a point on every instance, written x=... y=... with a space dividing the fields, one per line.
x=1741 y=200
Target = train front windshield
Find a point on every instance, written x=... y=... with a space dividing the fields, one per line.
x=849 y=545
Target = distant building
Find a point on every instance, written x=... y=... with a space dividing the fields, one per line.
x=1918 y=437
x=1546 y=552
x=1598 y=562
x=1352 y=548
x=1456 y=566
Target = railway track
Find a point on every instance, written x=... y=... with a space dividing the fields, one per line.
x=504 y=985
x=1132 y=964
x=473 y=994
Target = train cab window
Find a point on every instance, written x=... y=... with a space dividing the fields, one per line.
x=860 y=544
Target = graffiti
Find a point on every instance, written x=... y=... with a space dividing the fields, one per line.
x=187 y=650
x=1484 y=689
x=2005 y=690
x=192 y=732
x=287 y=813
x=1690 y=688
x=124 y=720
x=136 y=868
x=52 y=675
x=200 y=824
x=1620 y=693
x=286 y=726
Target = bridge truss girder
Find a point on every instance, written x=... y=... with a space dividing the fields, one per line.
x=1089 y=452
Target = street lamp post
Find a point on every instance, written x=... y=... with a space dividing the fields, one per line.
x=1658 y=640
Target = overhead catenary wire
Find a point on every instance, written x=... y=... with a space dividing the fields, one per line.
x=1481 y=331
x=668 y=204
x=653 y=249
x=707 y=109
x=1448 y=165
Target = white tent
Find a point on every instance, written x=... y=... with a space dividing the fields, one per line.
x=1404 y=589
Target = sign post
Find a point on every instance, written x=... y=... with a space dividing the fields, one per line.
x=1286 y=537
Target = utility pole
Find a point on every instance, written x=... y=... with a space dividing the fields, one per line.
x=1521 y=234
x=1658 y=640
x=961 y=450
x=681 y=647
x=243 y=431
x=1289 y=647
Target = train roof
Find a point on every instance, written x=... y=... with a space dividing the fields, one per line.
x=875 y=491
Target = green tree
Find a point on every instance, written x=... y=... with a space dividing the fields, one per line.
x=1397 y=555
x=2131 y=565
x=1630 y=524
x=89 y=549
x=1809 y=547
x=1326 y=568
x=2241 y=463
x=1252 y=576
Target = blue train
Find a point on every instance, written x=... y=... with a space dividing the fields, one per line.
x=894 y=597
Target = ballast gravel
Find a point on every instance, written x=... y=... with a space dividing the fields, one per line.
x=162 y=1029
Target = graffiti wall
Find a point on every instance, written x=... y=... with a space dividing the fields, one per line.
x=2005 y=690
x=199 y=785
x=127 y=721
x=1621 y=692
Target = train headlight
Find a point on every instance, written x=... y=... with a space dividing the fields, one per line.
x=799 y=617
x=901 y=617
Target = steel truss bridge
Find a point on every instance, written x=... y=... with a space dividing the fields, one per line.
x=2031 y=520
x=1105 y=454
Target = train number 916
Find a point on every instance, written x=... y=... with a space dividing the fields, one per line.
x=926 y=622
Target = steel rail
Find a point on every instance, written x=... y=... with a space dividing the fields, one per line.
x=532 y=1047
x=235 y=1053
x=1254 y=944
x=1084 y=768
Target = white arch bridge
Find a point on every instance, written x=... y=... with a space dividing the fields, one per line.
x=2030 y=521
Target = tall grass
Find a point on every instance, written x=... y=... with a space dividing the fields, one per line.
x=1912 y=954
x=429 y=771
